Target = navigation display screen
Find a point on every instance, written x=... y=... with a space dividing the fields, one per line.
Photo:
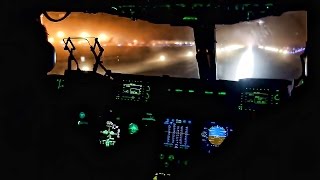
x=134 y=90
x=177 y=133
x=253 y=99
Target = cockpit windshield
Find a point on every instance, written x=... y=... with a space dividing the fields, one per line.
x=265 y=48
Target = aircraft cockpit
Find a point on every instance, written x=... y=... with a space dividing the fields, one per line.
x=191 y=80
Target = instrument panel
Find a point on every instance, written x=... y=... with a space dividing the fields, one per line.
x=189 y=115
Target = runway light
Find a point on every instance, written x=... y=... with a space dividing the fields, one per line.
x=83 y=59
x=60 y=34
x=273 y=49
x=260 y=22
x=233 y=47
x=51 y=39
x=84 y=35
x=103 y=37
x=285 y=52
x=162 y=58
x=190 y=54
x=229 y=48
x=246 y=65
x=85 y=68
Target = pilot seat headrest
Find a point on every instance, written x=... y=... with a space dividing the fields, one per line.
x=40 y=49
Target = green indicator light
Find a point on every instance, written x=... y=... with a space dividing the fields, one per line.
x=82 y=115
x=167 y=6
x=208 y=92
x=191 y=91
x=133 y=128
x=276 y=97
x=222 y=93
x=179 y=90
x=197 y=5
x=171 y=157
x=181 y=5
x=190 y=18
x=161 y=156
x=118 y=118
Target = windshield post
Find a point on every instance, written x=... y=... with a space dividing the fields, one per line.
x=205 y=41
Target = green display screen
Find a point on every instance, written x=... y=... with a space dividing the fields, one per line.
x=134 y=90
x=253 y=99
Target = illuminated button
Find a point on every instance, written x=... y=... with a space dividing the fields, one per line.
x=161 y=156
x=166 y=164
x=208 y=92
x=82 y=115
x=171 y=157
x=133 y=128
x=276 y=97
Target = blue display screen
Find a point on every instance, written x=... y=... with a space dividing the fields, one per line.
x=213 y=134
x=177 y=133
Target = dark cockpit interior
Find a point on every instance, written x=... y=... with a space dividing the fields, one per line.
x=159 y=89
